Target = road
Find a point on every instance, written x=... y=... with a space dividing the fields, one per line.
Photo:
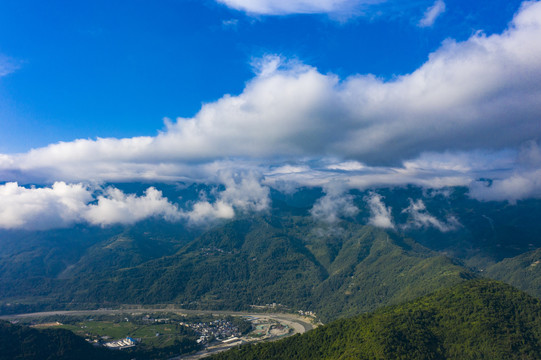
x=295 y=322
x=298 y=323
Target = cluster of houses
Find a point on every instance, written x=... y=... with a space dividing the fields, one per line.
x=307 y=313
x=214 y=330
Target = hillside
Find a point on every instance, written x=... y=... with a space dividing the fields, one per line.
x=269 y=260
x=24 y=343
x=523 y=271
x=285 y=255
x=477 y=319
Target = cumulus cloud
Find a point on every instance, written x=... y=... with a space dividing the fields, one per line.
x=63 y=205
x=283 y=7
x=115 y=207
x=421 y=218
x=336 y=203
x=479 y=96
x=380 y=215
x=432 y=13
x=42 y=208
x=204 y=211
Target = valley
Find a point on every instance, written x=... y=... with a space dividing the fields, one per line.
x=270 y=180
x=271 y=267
x=158 y=331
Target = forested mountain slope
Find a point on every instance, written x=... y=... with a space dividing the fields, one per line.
x=283 y=255
x=477 y=319
x=523 y=271
x=24 y=343
x=266 y=260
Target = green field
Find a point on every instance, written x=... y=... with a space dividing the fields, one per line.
x=167 y=333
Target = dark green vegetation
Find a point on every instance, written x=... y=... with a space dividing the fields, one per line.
x=283 y=256
x=272 y=260
x=262 y=261
x=22 y=342
x=287 y=257
x=158 y=335
x=155 y=341
x=523 y=271
x=477 y=319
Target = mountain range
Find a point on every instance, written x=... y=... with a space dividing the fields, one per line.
x=398 y=245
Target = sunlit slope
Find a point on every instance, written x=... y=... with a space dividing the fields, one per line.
x=523 y=271
x=477 y=319
x=338 y=270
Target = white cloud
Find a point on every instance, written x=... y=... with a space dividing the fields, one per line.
x=336 y=203
x=115 y=207
x=283 y=7
x=230 y=23
x=432 y=13
x=421 y=218
x=243 y=193
x=380 y=215
x=63 y=205
x=7 y=65
x=517 y=187
x=470 y=99
x=347 y=166
x=522 y=182
x=42 y=208
x=289 y=169
x=203 y=211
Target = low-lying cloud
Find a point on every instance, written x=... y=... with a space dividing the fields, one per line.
x=522 y=182
x=42 y=208
x=115 y=207
x=335 y=205
x=419 y=217
x=63 y=205
x=243 y=194
x=380 y=215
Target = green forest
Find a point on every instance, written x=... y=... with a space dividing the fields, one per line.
x=477 y=319
x=285 y=260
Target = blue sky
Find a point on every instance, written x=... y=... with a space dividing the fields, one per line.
x=117 y=68
x=252 y=94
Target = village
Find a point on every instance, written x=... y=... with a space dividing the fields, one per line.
x=219 y=330
x=213 y=336
x=212 y=331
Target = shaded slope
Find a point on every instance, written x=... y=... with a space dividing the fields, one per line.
x=477 y=319
x=22 y=342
